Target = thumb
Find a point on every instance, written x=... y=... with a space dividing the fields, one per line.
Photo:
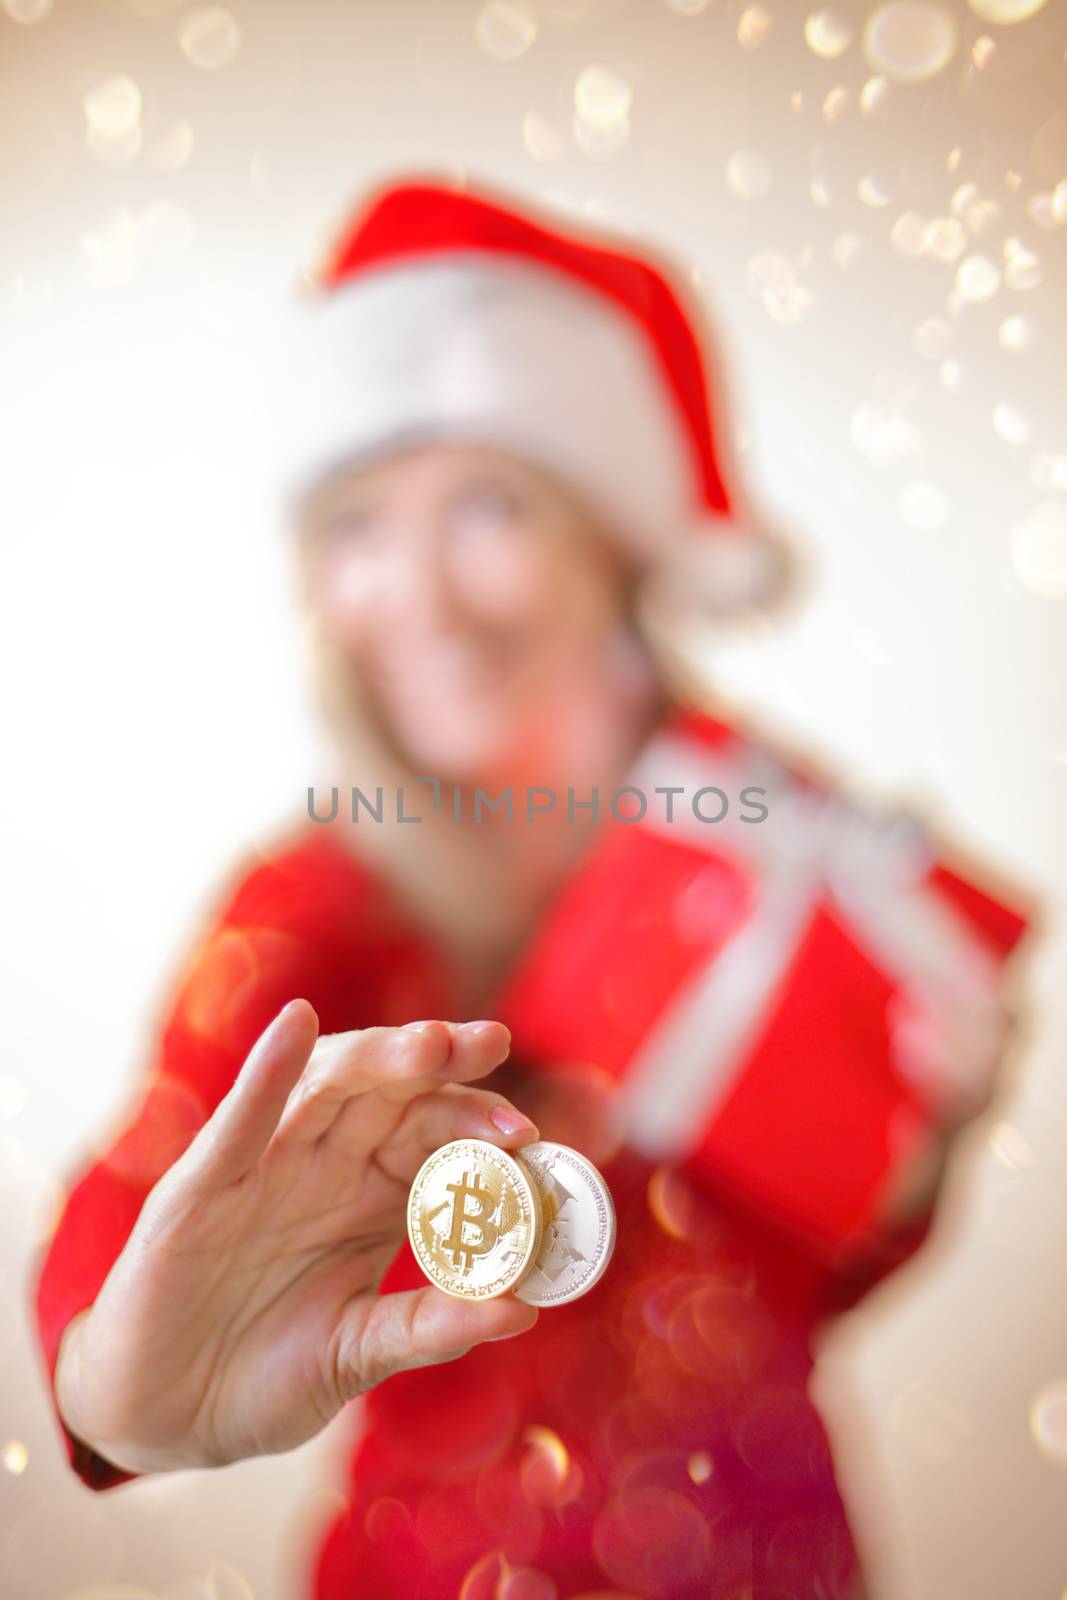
x=419 y=1327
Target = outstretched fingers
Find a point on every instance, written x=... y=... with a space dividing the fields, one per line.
x=238 y=1132
x=453 y=1111
x=396 y=1063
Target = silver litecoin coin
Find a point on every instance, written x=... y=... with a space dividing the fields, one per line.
x=579 y=1225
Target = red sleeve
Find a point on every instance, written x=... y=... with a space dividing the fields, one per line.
x=305 y=922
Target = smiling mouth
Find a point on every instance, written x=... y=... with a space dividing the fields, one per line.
x=443 y=666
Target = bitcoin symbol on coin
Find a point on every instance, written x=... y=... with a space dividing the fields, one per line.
x=465 y=1222
x=474 y=1219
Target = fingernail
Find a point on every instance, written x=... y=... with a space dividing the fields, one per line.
x=419 y=1027
x=480 y=1027
x=510 y=1121
x=514 y=1334
x=277 y=1025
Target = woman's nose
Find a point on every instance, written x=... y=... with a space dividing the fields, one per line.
x=420 y=580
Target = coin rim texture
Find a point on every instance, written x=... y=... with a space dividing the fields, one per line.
x=597 y=1184
x=479 y=1147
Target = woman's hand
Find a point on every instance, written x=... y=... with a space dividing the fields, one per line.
x=244 y=1310
x=571 y=1102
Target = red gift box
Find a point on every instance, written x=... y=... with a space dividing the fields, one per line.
x=792 y=1003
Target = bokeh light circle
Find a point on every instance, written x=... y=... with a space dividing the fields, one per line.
x=910 y=40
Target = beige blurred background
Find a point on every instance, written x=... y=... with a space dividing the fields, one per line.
x=872 y=204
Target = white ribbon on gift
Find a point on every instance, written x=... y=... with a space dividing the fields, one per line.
x=813 y=844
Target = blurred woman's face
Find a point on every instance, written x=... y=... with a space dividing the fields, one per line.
x=471 y=593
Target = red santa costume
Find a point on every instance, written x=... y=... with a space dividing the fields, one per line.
x=790 y=995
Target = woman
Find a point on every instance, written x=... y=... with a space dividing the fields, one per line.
x=518 y=454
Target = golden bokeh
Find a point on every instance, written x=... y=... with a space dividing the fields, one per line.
x=868 y=202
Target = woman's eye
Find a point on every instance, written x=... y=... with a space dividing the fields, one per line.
x=487 y=505
x=347 y=525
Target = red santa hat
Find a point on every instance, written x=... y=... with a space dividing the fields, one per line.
x=443 y=312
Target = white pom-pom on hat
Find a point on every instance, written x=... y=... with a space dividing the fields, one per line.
x=717 y=566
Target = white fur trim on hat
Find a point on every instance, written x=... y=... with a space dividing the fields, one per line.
x=498 y=351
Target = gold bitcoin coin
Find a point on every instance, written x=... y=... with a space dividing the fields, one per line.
x=474 y=1219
